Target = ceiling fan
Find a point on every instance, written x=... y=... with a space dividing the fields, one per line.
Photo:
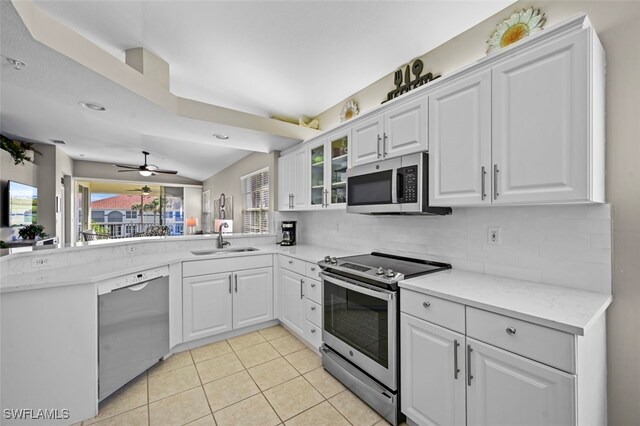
x=145 y=169
x=145 y=190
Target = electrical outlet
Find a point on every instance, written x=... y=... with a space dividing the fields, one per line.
x=493 y=236
x=40 y=262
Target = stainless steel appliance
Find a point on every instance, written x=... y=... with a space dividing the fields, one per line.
x=133 y=326
x=395 y=186
x=360 y=323
x=288 y=233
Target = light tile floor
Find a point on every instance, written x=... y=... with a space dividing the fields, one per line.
x=267 y=377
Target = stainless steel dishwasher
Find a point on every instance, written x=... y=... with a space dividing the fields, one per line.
x=133 y=326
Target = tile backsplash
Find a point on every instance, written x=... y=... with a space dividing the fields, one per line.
x=561 y=245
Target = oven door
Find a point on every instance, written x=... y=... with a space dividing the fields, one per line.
x=360 y=324
x=372 y=188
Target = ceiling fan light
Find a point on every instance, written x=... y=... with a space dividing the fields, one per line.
x=145 y=173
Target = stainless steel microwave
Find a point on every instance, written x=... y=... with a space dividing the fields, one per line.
x=394 y=186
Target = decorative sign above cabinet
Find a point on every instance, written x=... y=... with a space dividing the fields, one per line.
x=416 y=68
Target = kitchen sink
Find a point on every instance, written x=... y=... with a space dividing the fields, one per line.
x=224 y=251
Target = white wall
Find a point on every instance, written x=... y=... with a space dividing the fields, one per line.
x=97 y=170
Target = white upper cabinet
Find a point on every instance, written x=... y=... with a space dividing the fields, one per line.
x=460 y=142
x=328 y=162
x=541 y=124
x=400 y=130
x=529 y=130
x=367 y=140
x=405 y=128
x=285 y=182
x=293 y=181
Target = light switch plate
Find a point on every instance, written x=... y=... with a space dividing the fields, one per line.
x=493 y=236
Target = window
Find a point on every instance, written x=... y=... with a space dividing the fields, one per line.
x=97 y=216
x=131 y=214
x=255 y=196
x=114 y=216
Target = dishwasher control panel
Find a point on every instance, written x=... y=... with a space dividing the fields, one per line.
x=134 y=278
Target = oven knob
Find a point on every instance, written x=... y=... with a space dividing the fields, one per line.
x=334 y=261
x=380 y=271
x=389 y=273
x=327 y=259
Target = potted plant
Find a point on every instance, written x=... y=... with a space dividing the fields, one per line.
x=17 y=149
x=32 y=231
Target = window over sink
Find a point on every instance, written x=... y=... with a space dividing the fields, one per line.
x=255 y=201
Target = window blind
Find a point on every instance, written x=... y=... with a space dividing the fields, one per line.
x=255 y=195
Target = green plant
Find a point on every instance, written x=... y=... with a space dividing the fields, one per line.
x=100 y=229
x=3 y=245
x=30 y=232
x=17 y=149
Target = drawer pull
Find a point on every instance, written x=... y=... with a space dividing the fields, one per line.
x=313 y=269
x=469 y=376
x=313 y=308
x=511 y=331
x=291 y=262
x=456 y=370
x=313 y=330
x=426 y=304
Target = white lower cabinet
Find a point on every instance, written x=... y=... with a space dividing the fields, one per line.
x=432 y=373
x=216 y=303
x=450 y=378
x=300 y=294
x=206 y=305
x=292 y=311
x=507 y=389
x=252 y=297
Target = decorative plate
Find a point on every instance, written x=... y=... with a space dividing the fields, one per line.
x=349 y=110
x=518 y=26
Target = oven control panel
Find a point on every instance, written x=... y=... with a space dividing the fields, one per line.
x=408 y=184
x=134 y=278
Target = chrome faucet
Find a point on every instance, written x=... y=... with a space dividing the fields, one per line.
x=221 y=241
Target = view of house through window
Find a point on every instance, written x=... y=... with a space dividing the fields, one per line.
x=255 y=205
x=124 y=210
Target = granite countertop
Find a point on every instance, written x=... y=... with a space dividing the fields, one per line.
x=561 y=308
x=95 y=270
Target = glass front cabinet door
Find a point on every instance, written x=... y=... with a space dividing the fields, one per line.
x=329 y=162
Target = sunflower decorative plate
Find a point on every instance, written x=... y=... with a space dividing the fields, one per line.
x=349 y=110
x=518 y=26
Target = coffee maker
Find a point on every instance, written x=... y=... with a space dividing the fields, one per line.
x=288 y=233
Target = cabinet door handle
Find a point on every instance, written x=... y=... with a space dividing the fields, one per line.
x=469 y=376
x=291 y=262
x=426 y=304
x=236 y=278
x=301 y=292
x=313 y=269
x=483 y=174
x=313 y=285
x=511 y=331
x=313 y=330
x=378 y=147
x=326 y=202
x=495 y=181
x=313 y=308
x=456 y=370
x=384 y=145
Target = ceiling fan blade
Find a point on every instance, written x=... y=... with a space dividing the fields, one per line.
x=167 y=172
x=121 y=171
x=127 y=166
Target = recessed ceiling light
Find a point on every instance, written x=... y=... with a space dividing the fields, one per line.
x=92 y=105
x=82 y=155
x=58 y=141
x=220 y=136
x=18 y=65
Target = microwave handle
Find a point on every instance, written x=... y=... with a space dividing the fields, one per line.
x=399 y=186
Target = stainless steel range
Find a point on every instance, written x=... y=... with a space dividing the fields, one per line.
x=360 y=331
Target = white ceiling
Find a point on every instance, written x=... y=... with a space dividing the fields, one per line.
x=262 y=57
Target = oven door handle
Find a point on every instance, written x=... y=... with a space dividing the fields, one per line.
x=382 y=295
